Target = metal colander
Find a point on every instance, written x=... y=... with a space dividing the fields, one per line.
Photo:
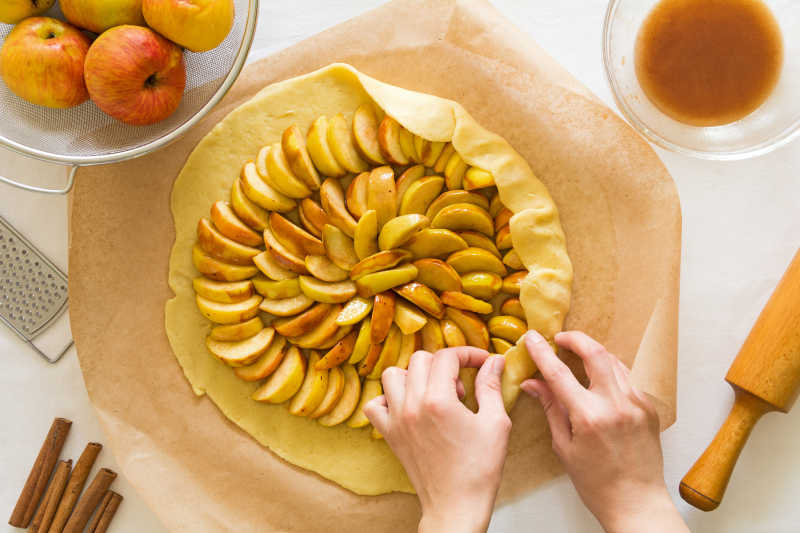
x=84 y=135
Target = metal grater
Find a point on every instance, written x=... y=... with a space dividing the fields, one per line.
x=33 y=291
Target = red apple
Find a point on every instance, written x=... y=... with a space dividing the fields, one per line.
x=135 y=75
x=42 y=62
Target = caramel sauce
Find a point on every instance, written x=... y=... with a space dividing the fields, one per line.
x=709 y=62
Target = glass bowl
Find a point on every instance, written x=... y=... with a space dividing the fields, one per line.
x=773 y=124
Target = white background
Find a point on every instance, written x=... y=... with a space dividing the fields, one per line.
x=741 y=226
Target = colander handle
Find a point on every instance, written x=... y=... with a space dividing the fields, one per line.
x=64 y=190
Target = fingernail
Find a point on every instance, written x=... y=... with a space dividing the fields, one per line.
x=498 y=363
x=527 y=387
x=534 y=336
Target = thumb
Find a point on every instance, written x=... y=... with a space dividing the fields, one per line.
x=488 y=390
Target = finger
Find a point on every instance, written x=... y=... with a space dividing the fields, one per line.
x=558 y=376
x=393 y=380
x=460 y=390
x=488 y=388
x=445 y=367
x=557 y=415
x=598 y=362
x=622 y=375
x=378 y=413
x=419 y=368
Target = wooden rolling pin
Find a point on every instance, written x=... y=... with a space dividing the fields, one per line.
x=765 y=376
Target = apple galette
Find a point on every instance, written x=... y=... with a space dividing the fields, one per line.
x=348 y=240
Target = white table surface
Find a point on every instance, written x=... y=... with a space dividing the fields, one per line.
x=741 y=225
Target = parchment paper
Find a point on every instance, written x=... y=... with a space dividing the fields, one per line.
x=619 y=209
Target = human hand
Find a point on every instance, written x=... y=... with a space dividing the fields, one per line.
x=453 y=457
x=606 y=436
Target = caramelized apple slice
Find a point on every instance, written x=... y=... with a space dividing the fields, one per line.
x=285 y=381
x=365 y=238
x=354 y=311
x=218 y=245
x=223 y=291
x=252 y=214
x=332 y=198
x=361 y=346
x=287 y=306
x=378 y=261
x=331 y=293
x=476 y=260
x=473 y=327
x=511 y=283
x=320 y=151
x=432 y=336
x=266 y=363
x=239 y=353
x=332 y=394
x=389 y=141
x=322 y=268
x=477 y=178
x=341 y=143
x=372 y=389
x=464 y=216
x=512 y=260
x=282 y=255
x=389 y=353
x=454 y=172
x=502 y=218
x=348 y=402
x=280 y=176
x=397 y=231
x=408 y=345
x=501 y=346
x=223 y=313
x=408 y=318
x=293 y=237
x=503 y=238
x=434 y=243
x=231 y=226
x=270 y=267
x=382 y=316
x=444 y=157
x=420 y=194
x=406 y=179
x=460 y=300
x=513 y=307
x=455 y=197
x=365 y=133
x=479 y=240
x=313 y=216
x=452 y=334
x=262 y=193
x=423 y=297
x=372 y=284
x=218 y=270
x=312 y=390
x=339 y=247
x=509 y=328
x=382 y=194
x=433 y=153
x=437 y=275
x=368 y=363
x=237 y=332
x=302 y=323
x=356 y=195
x=407 y=145
x=275 y=290
x=323 y=331
x=340 y=352
x=483 y=285
x=294 y=148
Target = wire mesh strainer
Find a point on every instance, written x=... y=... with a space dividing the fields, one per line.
x=84 y=135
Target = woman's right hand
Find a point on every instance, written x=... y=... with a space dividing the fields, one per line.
x=606 y=436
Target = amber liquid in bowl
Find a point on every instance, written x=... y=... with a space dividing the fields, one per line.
x=709 y=62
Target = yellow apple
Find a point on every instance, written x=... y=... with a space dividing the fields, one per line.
x=12 y=11
x=198 y=25
x=100 y=15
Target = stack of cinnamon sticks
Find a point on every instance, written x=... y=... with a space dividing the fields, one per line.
x=52 y=502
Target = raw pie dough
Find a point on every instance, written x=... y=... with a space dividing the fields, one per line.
x=350 y=457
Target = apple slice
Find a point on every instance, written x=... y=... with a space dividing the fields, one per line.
x=354 y=311
x=406 y=179
x=434 y=243
x=282 y=255
x=420 y=195
x=474 y=259
x=437 y=275
x=397 y=231
x=513 y=307
x=312 y=391
x=218 y=245
x=422 y=148
x=382 y=194
x=378 y=261
x=408 y=318
x=331 y=293
x=479 y=240
x=495 y=205
x=452 y=335
x=372 y=284
x=502 y=218
x=261 y=193
x=302 y=323
x=368 y=363
x=313 y=216
x=341 y=143
x=323 y=331
x=406 y=139
x=348 y=401
x=231 y=226
x=356 y=195
x=423 y=297
x=365 y=238
x=507 y=327
x=332 y=198
x=294 y=148
x=501 y=346
x=503 y=238
x=281 y=177
x=285 y=381
x=477 y=178
x=266 y=362
x=361 y=346
x=244 y=352
x=454 y=172
x=237 y=332
x=389 y=353
x=223 y=313
x=456 y=197
x=464 y=216
x=382 y=317
x=276 y=290
x=372 y=389
x=511 y=283
x=339 y=247
x=365 y=133
x=252 y=214
x=432 y=336
x=409 y=344
x=219 y=270
x=473 y=327
x=483 y=285
x=512 y=260
x=444 y=157
x=340 y=334
x=434 y=151
x=320 y=151
x=389 y=141
x=270 y=267
x=332 y=394
x=223 y=291
x=294 y=238
x=460 y=300
x=287 y=306
x=340 y=352
x=324 y=269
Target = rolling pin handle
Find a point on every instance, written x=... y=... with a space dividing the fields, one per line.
x=704 y=485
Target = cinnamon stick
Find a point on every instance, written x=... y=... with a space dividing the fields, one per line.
x=102 y=519
x=89 y=501
x=40 y=473
x=74 y=487
x=44 y=515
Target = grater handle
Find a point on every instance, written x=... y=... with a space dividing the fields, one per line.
x=64 y=190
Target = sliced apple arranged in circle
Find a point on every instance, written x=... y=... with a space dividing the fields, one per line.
x=341 y=252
